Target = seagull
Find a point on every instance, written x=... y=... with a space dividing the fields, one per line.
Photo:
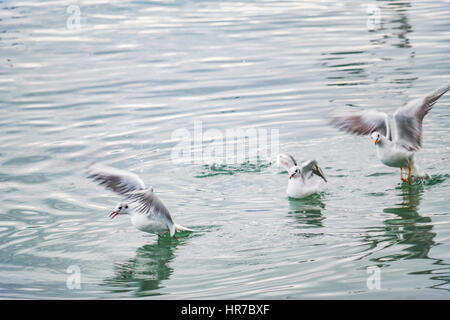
x=398 y=138
x=301 y=178
x=146 y=210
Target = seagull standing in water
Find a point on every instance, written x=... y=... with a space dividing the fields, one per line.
x=396 y=139
x=146 y=210
x=301 y=177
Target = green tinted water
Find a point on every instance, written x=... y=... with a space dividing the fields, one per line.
x=117 y=88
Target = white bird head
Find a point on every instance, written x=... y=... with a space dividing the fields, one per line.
x=121 y=208
x=295 y=172
x=376 y=137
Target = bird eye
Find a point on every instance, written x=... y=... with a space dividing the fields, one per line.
x=120 y=208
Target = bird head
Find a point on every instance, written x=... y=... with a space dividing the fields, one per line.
x=121 y=208
x=376 y=137
x=294 y=172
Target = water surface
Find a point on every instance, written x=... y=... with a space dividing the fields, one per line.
x=115 y=89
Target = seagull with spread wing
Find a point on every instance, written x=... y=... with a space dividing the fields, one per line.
x=397 y=138
x=301 y=177
x=146 y=210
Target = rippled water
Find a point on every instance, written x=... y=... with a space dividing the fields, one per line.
x=115 y=89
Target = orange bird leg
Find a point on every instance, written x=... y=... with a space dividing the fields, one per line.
x=409 y=175
x=401 y=175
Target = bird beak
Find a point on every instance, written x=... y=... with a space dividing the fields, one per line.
x=376 y=141
x=113 y=214
x=291 y=176
x=318 y=171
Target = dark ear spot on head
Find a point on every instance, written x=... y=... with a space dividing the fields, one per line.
x=126 y=206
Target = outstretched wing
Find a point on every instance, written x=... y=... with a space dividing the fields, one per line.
x=362 y=123
x=119 y=181
x=408 y=119
x=311 y=167
x=286 y=161
x=148 y=203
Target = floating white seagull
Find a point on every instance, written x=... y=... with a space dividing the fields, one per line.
x=146 y=210
x=301 y=183
x=396 y=139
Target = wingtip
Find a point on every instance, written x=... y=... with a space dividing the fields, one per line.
x=91 y=164
x=89 y=169
x=286 y=156
x=328 y=116
x=95 y=166
x=332 y=118
x=447 y=88
x=441 y=90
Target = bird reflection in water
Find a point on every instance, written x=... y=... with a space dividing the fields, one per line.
x=408 y=234
x=144 y=273
x=409 y=227
x=308 y=211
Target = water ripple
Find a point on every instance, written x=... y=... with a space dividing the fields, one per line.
x=117 y=88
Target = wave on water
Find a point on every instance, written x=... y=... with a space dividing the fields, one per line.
x=431 y=180
x=214 y=169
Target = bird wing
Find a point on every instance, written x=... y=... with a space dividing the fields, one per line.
x=119 y=181
x=362 y=123
x=311 y=167
x=148 y=203
x=286 y=161
x=408 y=119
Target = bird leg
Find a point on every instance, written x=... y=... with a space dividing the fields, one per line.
x=409 y=176
x=401 y=175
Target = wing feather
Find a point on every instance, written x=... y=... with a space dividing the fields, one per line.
x=286 y=161
x=409 y=118
x=362 y=123
x=148 y=203
x=119 y=181
x=311 y=167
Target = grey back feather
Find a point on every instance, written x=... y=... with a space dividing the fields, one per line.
x=148 y=203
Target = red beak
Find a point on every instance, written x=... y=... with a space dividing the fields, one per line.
x=376 y=141
x=113 y=214
x=291 y=176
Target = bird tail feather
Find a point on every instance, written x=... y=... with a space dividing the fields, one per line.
x=181 y=228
